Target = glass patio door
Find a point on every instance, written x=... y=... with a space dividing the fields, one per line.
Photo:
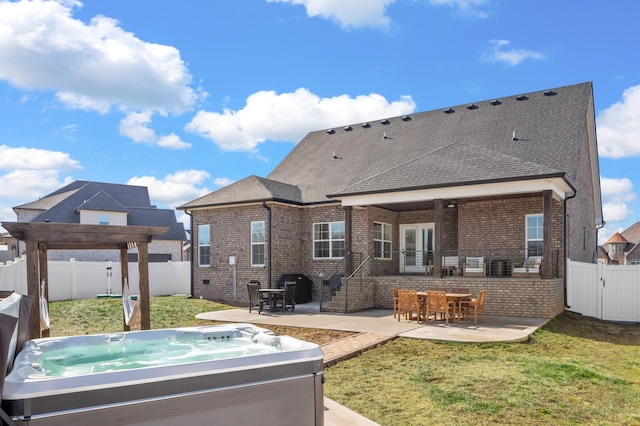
x=416 y=247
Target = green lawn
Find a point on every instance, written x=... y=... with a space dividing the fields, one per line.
x=573 y=371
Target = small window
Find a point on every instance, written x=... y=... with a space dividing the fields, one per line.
x=328 y=240
x=382 y=240
x=104 y=219
x=204 y=245
x=257 y=243
x=534 y=234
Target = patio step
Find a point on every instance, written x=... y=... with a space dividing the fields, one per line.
x=352 y=346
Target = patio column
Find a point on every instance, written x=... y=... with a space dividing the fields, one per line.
x=143 y=297
x=33 y=276
x=348 y=239
x=44 y=275
x=547 y=234
x=439 y=240
x=124 y=275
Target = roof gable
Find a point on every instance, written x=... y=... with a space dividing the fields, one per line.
x=102 y=202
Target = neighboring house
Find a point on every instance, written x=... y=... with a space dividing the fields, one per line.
x=8 y=247
x=98 y=203
x=508 y=188
x=622 y=247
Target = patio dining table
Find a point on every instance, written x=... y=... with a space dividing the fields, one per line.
x=272 y=293
x=457 y=299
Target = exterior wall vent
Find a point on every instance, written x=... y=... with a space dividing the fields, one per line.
x=406 y=118
x=472 y=106
x=331 y=131
x=365 y=125
x=385 y=122
x=449 y=111
x=495 y=102
x=522 y=98
x=550 y=93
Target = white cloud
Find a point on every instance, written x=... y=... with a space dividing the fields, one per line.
x=616 y=193
x=466 y=7
x=136 y=126
x=497 y=53
x=176 y=188
x=220 y=181
x=90 y=66
x=619 y=126
x=268 y=115
x=35 y=159
x=349 y=14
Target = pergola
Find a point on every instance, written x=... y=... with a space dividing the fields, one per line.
x=43 y=236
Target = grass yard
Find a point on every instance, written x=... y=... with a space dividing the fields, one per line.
x=575 y=370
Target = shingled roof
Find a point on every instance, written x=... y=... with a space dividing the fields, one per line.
x=64 y=205
x=520 y=137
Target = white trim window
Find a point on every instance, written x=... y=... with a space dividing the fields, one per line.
x=204 y=245
x=257 y=243
x=382 y=240
x=328 y=240
x=104 y=219
x=534 y=234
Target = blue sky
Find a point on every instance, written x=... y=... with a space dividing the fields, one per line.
x=186 y=97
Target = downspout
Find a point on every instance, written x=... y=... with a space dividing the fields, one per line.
x=566 y=246
x=264 y=204
x=190 y=250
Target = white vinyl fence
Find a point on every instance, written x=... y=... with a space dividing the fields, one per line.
x=85 y=280
x=608 y=292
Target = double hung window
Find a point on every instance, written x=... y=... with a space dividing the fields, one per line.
x=204 y=245
x=382 y=240
x=257 y=243
x=328 y=240
x=534 y=234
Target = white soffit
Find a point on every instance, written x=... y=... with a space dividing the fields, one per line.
x=559 y=187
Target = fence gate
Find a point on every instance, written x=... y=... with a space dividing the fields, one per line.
x=608 y=292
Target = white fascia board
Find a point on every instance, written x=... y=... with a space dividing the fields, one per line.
x=559 y=186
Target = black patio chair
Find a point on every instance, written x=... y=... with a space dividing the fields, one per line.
x=289 y=296
x=255 y=298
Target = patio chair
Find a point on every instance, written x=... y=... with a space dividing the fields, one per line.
x=474 y=305
x=255 y=298
x=395 y=301
x=529 y=268
x=289 y=296
x=437 y=304
x=475 y=267
x=408 y=303
x=450 y=265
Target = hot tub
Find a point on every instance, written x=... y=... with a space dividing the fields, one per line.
x=223 y=374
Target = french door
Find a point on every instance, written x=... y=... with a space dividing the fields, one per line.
x=416 y=247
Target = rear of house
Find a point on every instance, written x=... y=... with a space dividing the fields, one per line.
x=491 y=196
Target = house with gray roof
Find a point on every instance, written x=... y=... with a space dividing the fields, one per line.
x=492 y=195
x=99 y=203
x=622 y=247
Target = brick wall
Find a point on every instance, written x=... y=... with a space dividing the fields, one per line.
x=505 y=296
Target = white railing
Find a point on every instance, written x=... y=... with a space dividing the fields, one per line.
x=84 y=280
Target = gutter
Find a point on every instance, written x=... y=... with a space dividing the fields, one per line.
x=264 y=204
x=190 y=251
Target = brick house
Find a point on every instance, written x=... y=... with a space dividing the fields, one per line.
x=622 y=247
x=99 y=203
x=493 y=195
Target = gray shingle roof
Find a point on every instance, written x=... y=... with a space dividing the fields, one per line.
x=64 y=205
x=460 y=145
x=249 y=189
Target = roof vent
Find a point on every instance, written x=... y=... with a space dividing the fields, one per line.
x=449 y=111
x=406 y=118
x=385 y=122
x=550 y=93
x=522 y=98
x=495 y=102
x=348 y=129
x=365 y=125
x=472 y=106
x=331 y=131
